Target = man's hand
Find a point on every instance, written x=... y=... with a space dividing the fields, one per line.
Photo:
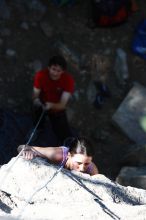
x=47 y=106
x=37 y=102
x=61 y=105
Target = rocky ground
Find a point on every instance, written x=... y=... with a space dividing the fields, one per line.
x=31 y=31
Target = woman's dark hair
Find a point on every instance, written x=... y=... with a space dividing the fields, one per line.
x=80 y=145
x=58 y=60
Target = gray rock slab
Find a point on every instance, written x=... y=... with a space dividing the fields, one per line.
x=132 y=176
x=130 y=117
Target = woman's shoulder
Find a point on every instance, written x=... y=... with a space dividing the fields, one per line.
x=65 y=149
x=92 y=169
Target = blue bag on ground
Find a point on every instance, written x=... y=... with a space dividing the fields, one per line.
x=139 y=41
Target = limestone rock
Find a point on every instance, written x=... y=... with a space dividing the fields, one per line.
x=68 y=195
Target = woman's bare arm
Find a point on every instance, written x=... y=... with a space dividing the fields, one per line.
x=54 y=154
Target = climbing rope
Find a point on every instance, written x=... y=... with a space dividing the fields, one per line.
x=29 y=200
x=8 y=169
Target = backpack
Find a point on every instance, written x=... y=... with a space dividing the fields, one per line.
x=110 y=12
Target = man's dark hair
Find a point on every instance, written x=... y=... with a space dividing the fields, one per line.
x=58 y=60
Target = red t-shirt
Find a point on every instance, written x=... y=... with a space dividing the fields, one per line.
x=51 y=90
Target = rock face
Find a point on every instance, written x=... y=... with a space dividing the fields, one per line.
x=130 y=117
x=68 y=195
x=133 y=176
x=131 y=112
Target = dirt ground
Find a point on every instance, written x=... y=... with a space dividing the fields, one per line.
x=29 y=36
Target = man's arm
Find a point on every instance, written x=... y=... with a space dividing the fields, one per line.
x=35 y=93
x=60 y=105
x=36 y=96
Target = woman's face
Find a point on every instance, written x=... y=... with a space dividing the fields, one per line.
x=80 y=162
